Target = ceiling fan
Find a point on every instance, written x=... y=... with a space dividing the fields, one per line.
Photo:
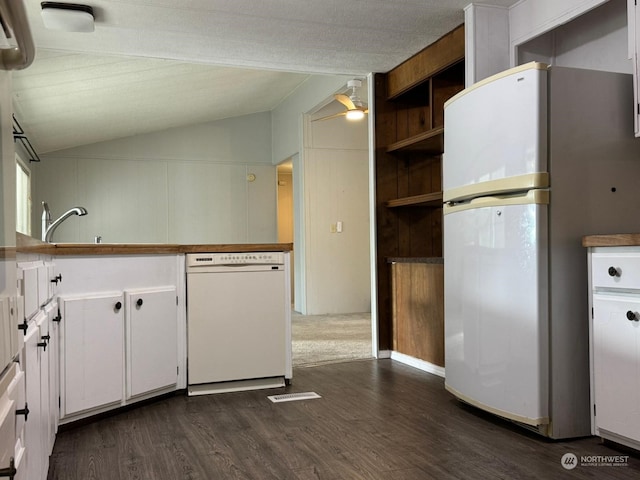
x=356 y=109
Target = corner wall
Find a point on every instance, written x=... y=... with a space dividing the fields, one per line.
x=183 y=185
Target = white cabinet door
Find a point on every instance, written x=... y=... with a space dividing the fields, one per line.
x=17 y=393
x=92 y=357
x=33 y=435
x=6 y=332
x=29 y=273
x=616 y=363
x=53 y=351
x=44 y=428
x=151 y=319
x=633 y=21
x=44 y=288
x=7 y=420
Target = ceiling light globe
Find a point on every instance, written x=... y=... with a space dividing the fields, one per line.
x=355 y=115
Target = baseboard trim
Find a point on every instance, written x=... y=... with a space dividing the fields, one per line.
x=384 y=354
x=417 y=363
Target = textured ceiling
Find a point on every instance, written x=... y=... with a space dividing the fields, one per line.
x=156 y=64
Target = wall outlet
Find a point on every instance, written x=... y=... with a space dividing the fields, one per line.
x=339 y=227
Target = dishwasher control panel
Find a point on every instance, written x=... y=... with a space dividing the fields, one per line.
x=245 y=258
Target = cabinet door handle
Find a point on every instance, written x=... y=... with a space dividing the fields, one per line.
x=632 y=316
x=43 y=345
x=139 y=302
x=46 y=337
x=613 y=272
x=10 y=471
x=24 y=326
x=118 y=306
x=23 y=411
x=57 y=318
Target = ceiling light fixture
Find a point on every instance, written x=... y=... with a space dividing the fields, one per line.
x=68 y=17
x=354 y=115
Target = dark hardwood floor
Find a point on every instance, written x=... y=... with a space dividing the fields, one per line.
x=377 y=419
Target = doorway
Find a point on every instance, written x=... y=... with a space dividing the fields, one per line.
x=331 y=320
x=285 y=213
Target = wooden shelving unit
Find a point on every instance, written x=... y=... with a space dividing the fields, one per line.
x=430 y=142
x=424 y=200
x=409 y=125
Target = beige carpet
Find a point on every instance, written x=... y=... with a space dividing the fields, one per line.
x=322 y=339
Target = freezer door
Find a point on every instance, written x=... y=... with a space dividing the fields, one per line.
x=496 y=309
x=497 y=128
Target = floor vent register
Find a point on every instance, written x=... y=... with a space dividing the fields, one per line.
x=292 y=397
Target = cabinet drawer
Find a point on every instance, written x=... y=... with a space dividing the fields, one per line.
x=615 y=270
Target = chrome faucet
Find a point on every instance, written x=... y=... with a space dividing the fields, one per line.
x=49 y=227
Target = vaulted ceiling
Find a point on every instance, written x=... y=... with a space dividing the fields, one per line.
x=156 y=64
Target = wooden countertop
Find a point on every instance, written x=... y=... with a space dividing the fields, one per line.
x=31 y=245
x=415 y=260
x=614 y=240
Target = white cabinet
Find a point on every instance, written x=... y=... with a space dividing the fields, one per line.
x=615 y=343
x=151 y=345
x=12 y=412
x=35 y=344
x=35 y=435
x=633 y=24
x=109 y=335
x=143 y=353
x=53 y=318
x=28 y=276
x=7 y=330
x=92 y=351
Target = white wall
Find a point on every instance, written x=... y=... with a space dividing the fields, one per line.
x=336 y=188
x=531 y=18
x=486 y=46
x=550 y=31
x=184 y=185
x=596 y=40
x=286 y=118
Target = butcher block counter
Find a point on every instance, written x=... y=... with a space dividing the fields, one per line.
x=28 y=244
x=613 y=240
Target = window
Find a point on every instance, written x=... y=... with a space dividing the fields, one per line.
x=23 y=197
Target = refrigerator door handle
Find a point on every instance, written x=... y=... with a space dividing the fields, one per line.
x=538 y=197
x=519 y=183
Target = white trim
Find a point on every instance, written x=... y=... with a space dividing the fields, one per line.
x=417 y=363
x=373 y=246
x=382 y=354
x=497 y=76
x=534 y=422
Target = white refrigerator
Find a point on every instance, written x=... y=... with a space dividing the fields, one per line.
x=534 y=158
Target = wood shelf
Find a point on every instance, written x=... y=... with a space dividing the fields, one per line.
x=424 y=200
x=430 y=142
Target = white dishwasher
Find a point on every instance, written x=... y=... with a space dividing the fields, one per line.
x=238 y=321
